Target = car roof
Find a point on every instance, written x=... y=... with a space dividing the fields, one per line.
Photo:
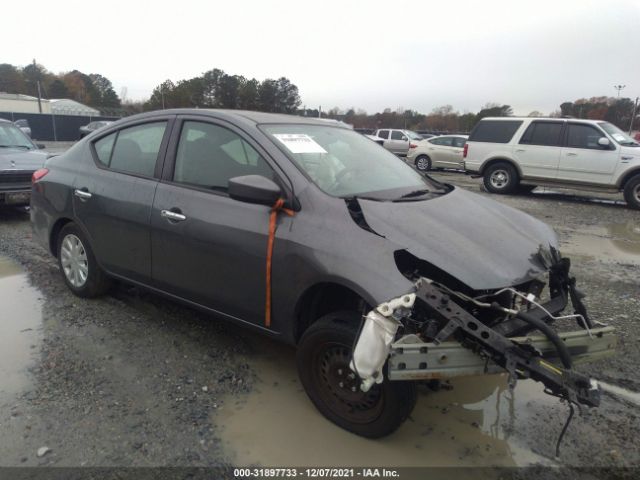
x=245 y=116
x=547 y=119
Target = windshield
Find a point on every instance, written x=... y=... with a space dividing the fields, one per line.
x=12 y=136
x=618 y=135
x=413 y=135
x=344 y=164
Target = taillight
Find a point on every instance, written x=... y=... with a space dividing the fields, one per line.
x=38 y=174
x=413 y=145
x=465 y=151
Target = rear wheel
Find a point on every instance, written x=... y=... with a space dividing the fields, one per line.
x=323 y=357
x=78 y=265
x=501 y=177
x=423 y=163
x=632 y=192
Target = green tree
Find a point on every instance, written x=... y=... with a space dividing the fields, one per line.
x=106 y=95
x=11 y=79
x=57 y=89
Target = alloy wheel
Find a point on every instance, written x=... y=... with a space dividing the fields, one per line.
x=73 y=258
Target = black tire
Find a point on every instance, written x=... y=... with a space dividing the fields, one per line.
x=525 y=189
x=323 y=357
x=632 y=192
x=501 y=177
x=423 y=163
x=75 y=256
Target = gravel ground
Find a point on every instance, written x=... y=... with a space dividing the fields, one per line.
x=132 y=379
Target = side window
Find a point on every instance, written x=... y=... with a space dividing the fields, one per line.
x=383 y=134
x=583 y=136
x=494 y=131
x=209 y=155
x=397 y=135
x=542 y=133
x=459 y=142
x=136 y=148
x=104 y=146
x=442 y=141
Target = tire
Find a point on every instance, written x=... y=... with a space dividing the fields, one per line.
x=525 y=189
x=423 y=163
x=323 y=357
x=78 y=264
x=501 y=177
x=632 y=192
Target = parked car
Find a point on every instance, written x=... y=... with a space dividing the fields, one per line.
x=296 y=227
x=23 y=125
x=398 y=141
x=92 y=127
x=438 y=152
x=19 y=158
x=521 y=153
x=378 y=140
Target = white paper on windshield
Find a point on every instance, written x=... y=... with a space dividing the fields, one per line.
x=299 y=143
x=618 y=137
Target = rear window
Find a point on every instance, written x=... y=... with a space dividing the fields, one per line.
x=494 y=131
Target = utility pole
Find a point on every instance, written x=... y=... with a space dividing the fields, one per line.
x=162 y=95
x=633 y=115
x=320 y=111
x=618 y=88
x=38 y=85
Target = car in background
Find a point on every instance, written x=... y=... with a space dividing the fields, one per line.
x=438 y=152
x=92 y=127
x=397 y=140
x=378 y=140
x=426 y=136
x=517 y=154
x=23 y=125
x=19 y=158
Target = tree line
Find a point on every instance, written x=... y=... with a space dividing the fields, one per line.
x=217 y=89
x=91 y=89
x=446 y=119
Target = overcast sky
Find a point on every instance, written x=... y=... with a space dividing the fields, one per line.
x=367 y=54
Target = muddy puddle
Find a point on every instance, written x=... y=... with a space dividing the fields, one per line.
x=469 y=425
x=20 y=320
x=615 y=242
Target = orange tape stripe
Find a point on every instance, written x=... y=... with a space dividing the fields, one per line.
x=273 y=223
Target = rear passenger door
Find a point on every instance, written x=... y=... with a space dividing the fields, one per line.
x=113 y=196
x=538 y=151
x=583 y=159
x=440 y=150
x=210 y=248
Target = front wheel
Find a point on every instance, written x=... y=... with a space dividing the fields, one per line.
x=632 y=192
x=501 y=177
x=323 y=357
x=423 y=163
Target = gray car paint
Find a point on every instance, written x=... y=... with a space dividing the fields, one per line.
x=215 y=259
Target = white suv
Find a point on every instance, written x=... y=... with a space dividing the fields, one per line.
x=521 y=153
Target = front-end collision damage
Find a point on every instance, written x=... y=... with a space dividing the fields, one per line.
x=436 y=331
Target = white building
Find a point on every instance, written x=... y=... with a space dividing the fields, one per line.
x=18 y=103
x=64 y=106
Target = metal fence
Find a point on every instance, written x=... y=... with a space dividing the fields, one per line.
x=54 y=127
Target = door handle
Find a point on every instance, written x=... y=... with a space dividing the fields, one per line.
x=569 y=154
x=173 y=216
x=82 y=194
x=520 y=150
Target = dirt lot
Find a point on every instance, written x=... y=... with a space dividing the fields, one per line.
x=134 y=380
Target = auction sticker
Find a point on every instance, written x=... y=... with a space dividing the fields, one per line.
x=299 y=143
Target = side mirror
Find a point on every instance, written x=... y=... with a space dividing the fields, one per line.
x=405 y=139
x=254 y=189
x=604 y=142
x=41 y=146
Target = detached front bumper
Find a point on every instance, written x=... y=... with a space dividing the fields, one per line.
x=412 y=359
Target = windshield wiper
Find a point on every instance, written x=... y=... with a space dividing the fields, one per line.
x=16 y=146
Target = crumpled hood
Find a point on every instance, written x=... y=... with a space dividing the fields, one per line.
x=22 y=159
x=482 y=243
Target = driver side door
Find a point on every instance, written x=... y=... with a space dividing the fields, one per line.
x=207 y=247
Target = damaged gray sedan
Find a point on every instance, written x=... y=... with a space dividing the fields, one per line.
x=313 y=234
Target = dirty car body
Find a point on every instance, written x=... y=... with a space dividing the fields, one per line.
x=186 y=202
